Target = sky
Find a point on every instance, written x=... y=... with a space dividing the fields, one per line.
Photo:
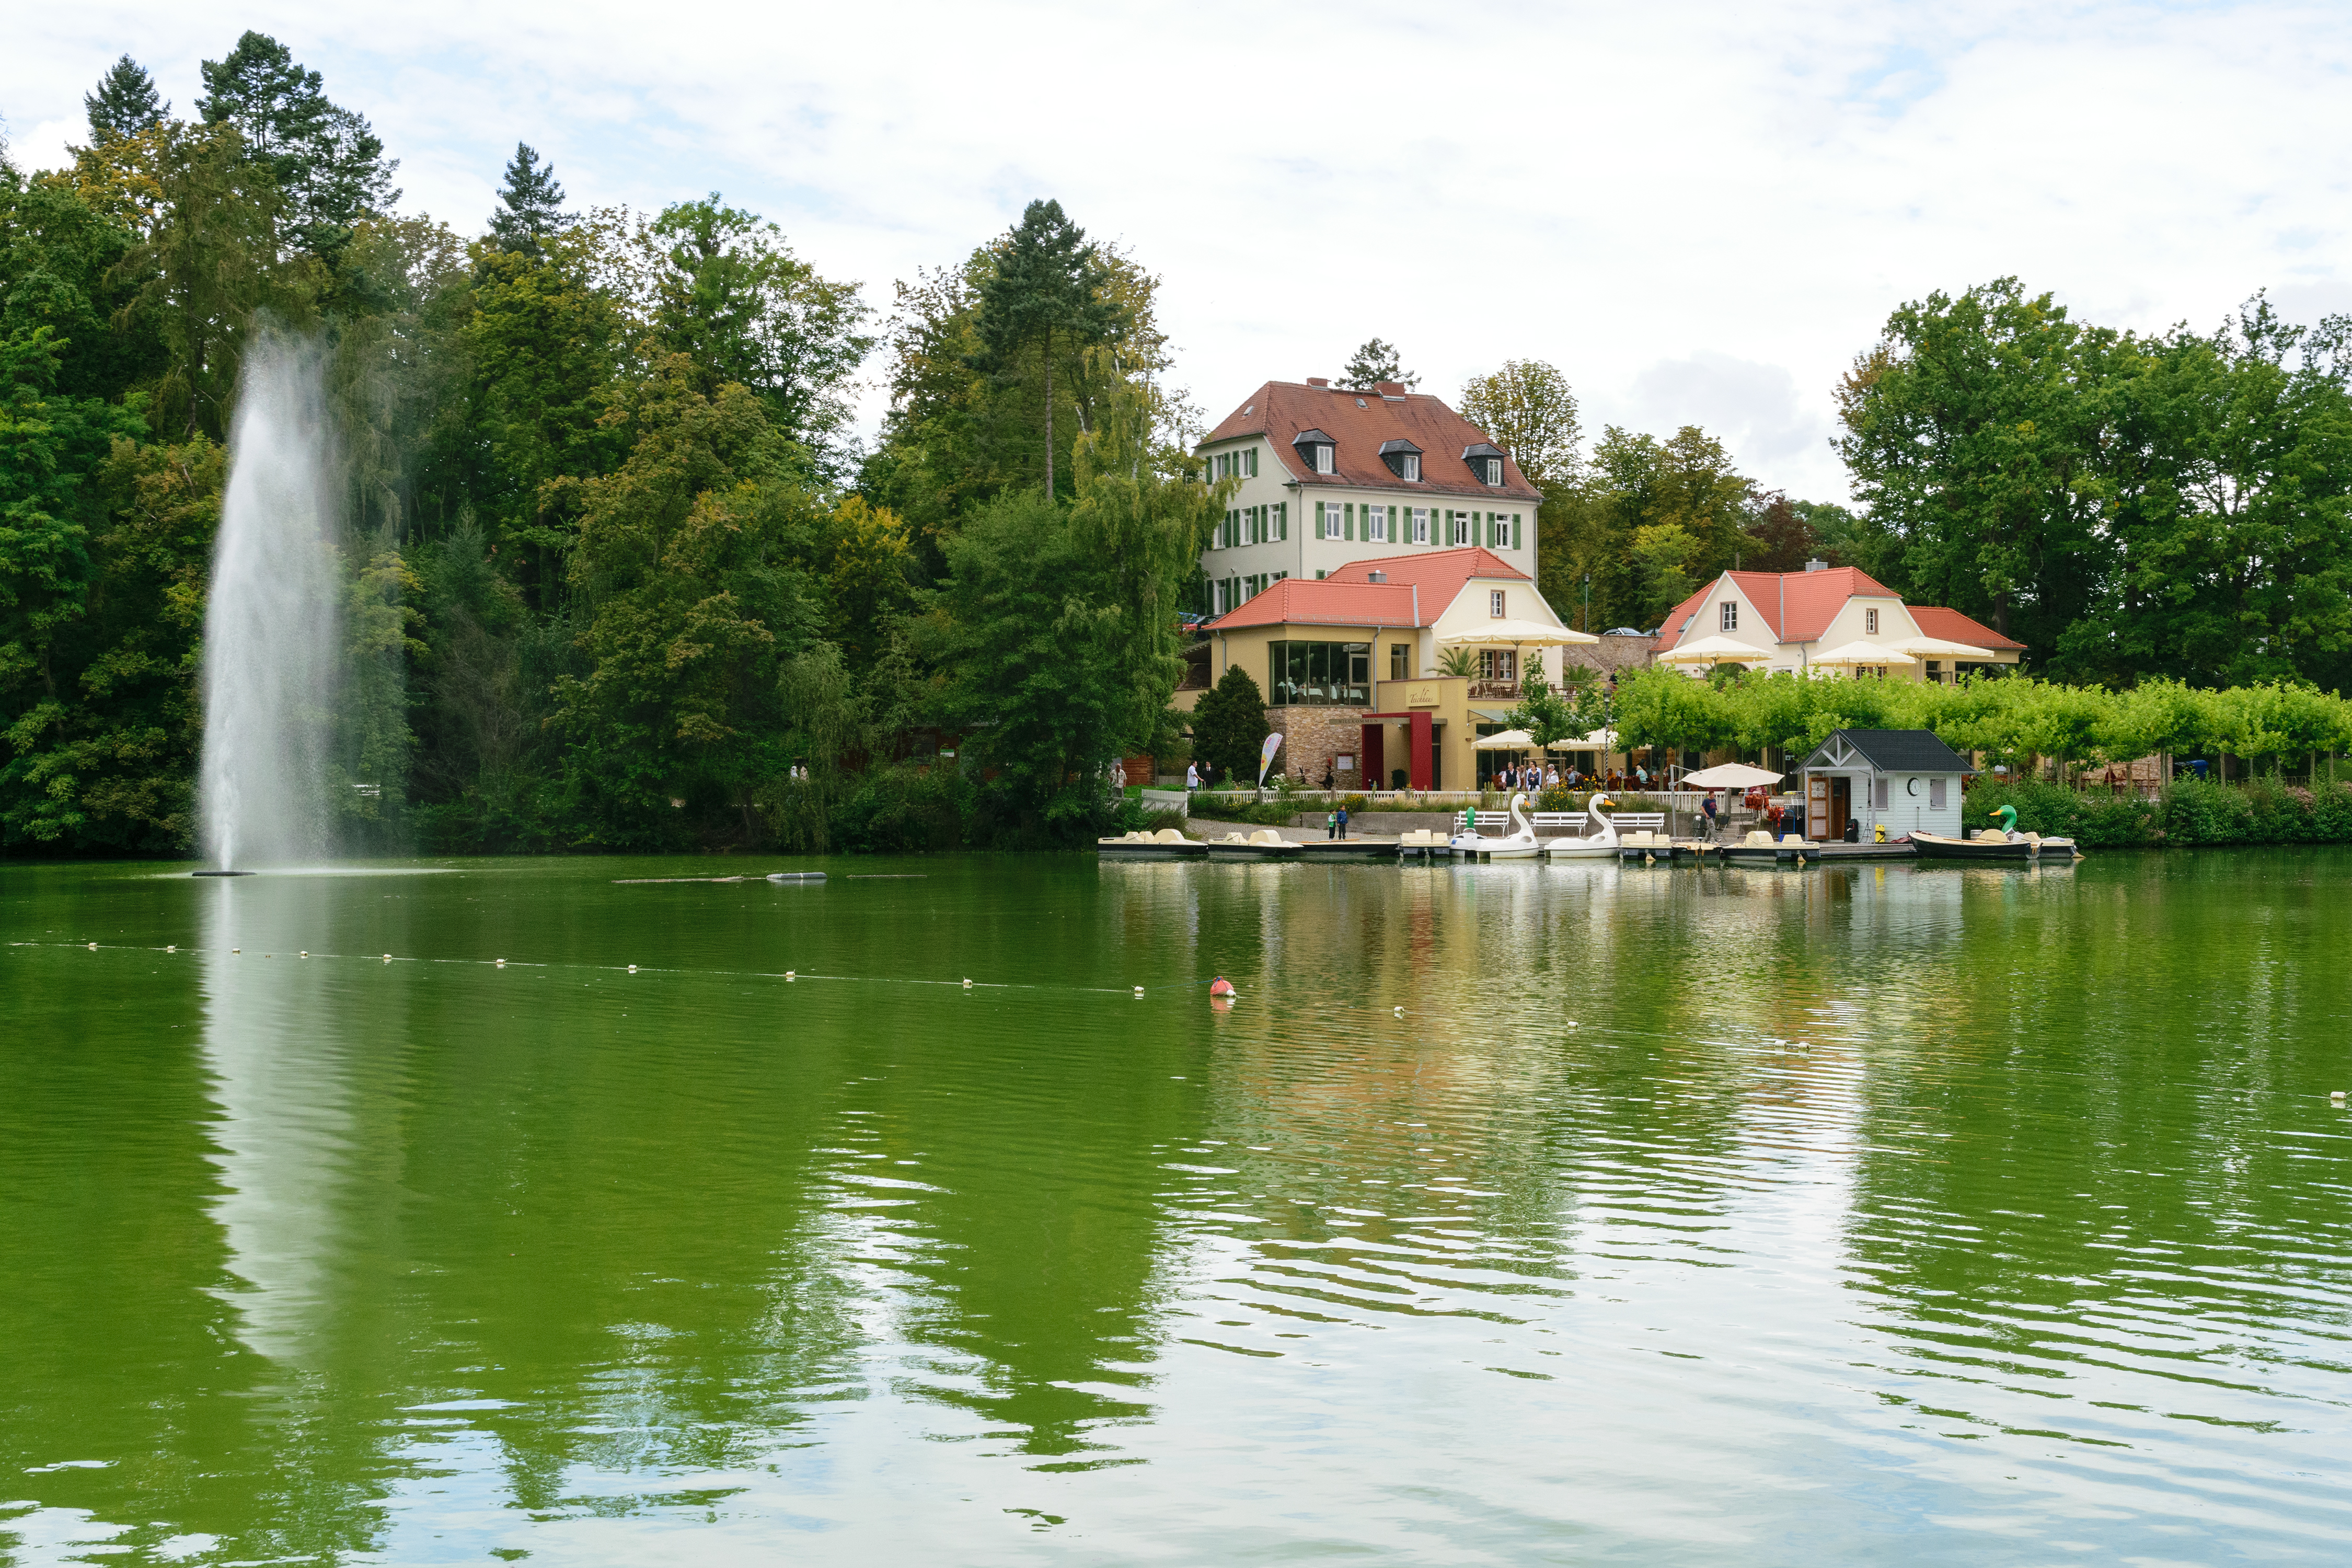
x=1699 y=213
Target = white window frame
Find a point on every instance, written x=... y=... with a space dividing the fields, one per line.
x=1494 y=602
x=1729 y=617
x=1421 y=525
x=1870 y=623
x=1249 y=464
x=1376 y=524
x=1412 y=468
x=1326 y=458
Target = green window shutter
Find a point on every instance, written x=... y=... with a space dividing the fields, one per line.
x=1348 y=513
x=1515 y=530
x=1282 y=520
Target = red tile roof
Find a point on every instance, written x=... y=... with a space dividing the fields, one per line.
x=1349 y=598
x=1953 y=627
x=1279 y=410
x=1798 y=607
x=1302 y=601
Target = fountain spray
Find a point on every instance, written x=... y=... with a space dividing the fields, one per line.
x=272 y=643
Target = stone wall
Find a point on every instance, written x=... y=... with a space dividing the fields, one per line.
x=1312 y=736
x=1610 y=656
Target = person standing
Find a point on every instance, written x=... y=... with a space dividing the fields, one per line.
x=1191 y=775
x=1708 y=806
x=1342 y=817
x=1331 y=823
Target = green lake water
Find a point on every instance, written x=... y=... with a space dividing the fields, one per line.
x=2035 y=1249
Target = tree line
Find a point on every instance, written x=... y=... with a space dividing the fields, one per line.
x=2174 y=504
x=620 y=572
x=617 y=572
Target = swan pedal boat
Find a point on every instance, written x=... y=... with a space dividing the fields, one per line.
x=1519 y=844
x=1599 y=845
x=1167 y=843
x=2011 y=848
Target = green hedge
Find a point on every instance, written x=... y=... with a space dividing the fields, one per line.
x=2190 y=812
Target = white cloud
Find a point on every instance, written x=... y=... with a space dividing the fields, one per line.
x=1756 y=410
x=1663 y=201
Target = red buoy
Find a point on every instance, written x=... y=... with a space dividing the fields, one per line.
x=1221 y=987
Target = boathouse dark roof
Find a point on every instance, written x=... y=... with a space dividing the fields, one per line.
x=1893 y=752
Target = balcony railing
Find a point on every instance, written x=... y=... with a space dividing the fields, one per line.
x=1482 y=686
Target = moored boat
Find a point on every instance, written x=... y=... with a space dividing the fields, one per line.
x=1519 y=844
x=1264 y=844
x=1599 y=845
x=1168 y=844
x=2001 y=848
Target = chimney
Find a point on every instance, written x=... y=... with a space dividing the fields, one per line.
x=1377 y=577
x=1817 y=564
x=1389 y=388
x=1319 y=381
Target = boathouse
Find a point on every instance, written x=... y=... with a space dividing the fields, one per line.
x=1900 y=779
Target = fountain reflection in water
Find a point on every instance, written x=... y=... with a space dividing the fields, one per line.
x=270 y=626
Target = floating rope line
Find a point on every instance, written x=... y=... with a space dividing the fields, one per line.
x=789 y=974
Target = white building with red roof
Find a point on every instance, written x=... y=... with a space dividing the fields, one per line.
x=1347 y=663
x=1329 y=477
x=1790 y=618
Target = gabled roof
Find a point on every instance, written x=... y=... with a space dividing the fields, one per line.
x=1797 y=605
x=1936 y=621
x=1356 y=423
x=1349 y=598
x=1894 y=752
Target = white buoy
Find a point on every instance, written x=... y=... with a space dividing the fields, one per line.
x=171 y=950
x=790 y=976
x=93 y=947
x=1571 y=1022
x=1138 y=991
x=633 y=969
x=236 y=950
x=501 y=962
x=387 y=958
x=305 y=955
x=966 y=979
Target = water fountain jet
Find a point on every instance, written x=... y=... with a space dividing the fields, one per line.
x=271 y=622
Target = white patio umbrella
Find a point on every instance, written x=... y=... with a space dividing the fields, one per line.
x=1855 y=654
x=1715 y=650
x=1937 y=648
x=1729 y=775
x=1518 y=634
x=1604 y=739
x=1508 y=741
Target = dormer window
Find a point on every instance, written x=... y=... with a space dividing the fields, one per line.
x=1404 y=459
x=1485 y=462
x=1316 y=450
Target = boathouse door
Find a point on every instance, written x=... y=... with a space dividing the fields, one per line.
x=1829 y=801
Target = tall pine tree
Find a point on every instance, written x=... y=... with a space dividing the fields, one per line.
x=328 y=162
x=530 y=203
x=1045 y=297
x=125 y=103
